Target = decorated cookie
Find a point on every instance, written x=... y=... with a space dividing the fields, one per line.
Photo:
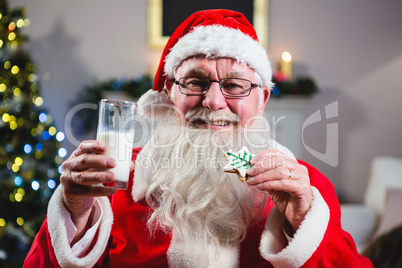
x=238 y=162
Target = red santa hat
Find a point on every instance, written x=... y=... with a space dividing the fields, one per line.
x=214 y=34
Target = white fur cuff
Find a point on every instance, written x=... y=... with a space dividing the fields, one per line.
x=305 y=241
x=56 y=217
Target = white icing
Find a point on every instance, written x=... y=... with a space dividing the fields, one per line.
x=239 y=161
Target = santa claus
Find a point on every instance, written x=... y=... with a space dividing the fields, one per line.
x=181 y=209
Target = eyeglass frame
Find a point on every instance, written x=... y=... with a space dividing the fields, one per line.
x=252 y=85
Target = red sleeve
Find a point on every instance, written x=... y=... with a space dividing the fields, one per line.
x=41 y=253
x=337 y=249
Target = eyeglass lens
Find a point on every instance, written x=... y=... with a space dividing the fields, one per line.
x=229 y=86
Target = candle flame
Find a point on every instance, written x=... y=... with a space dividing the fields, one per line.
x=286 y=56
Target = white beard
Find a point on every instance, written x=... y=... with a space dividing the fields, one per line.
x=192 y=198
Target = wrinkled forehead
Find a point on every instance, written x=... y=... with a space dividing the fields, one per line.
x=201 y=65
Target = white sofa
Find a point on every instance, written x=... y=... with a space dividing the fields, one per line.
x=382 y=207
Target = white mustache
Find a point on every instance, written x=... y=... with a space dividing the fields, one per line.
x=211 y=117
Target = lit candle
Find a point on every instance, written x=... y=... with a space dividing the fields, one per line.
x=286 y=65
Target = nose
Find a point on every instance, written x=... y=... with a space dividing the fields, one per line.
x=214 y=99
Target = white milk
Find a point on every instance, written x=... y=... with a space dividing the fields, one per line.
x=119 y=147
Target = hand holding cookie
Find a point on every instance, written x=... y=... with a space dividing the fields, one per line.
x=286 y=181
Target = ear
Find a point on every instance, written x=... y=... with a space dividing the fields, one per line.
x=169 y=84
x=266 y=93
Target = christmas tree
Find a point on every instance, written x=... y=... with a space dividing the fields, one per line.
x=30 y=151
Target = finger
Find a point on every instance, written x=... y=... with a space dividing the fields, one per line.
x=90 y=146
x=87 y=161
x=300 y=192
x=77 y=190
x=294 y=187
x=276 y=185
x=267 y=154
x=270 y=160
x=87 y=177
x=278 y=180
x=271 y=174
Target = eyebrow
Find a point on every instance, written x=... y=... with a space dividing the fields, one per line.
x=235 y=74
x=201 y=73
x=196 y=72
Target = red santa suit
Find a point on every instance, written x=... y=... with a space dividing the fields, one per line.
x=122 y=239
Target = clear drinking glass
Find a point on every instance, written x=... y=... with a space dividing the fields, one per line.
x=116 y=129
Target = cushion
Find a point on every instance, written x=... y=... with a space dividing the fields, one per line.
x=386 y=172
x=392 y=216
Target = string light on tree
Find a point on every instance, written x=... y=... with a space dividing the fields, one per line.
x=60 y=136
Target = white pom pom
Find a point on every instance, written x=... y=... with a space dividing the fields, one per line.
x=154 y=104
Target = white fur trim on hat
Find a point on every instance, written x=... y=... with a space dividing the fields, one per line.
x=56 y=216
x=305 y=241
x=218 y=41
x=154 y=104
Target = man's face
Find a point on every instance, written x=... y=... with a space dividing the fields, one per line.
x=246 y=108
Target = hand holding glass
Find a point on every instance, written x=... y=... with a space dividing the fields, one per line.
x=116 y=129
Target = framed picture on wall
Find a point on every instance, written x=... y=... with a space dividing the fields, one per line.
x=165 y=15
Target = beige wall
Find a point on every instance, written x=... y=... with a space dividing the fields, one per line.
x=352 y=48
x=354 y=51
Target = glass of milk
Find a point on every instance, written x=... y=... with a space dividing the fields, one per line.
x=116 y=129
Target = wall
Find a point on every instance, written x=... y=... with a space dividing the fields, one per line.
x=354 y=51
x=352 y=48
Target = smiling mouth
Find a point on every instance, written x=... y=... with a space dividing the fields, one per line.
x=203 y=121
x=202 y=117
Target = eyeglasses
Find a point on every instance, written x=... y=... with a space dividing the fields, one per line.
x=230 y=87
